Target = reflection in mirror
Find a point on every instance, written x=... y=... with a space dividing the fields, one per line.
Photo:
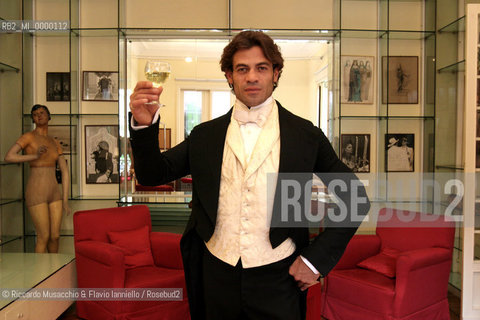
x=197 y=90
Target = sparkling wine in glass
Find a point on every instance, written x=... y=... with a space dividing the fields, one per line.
x=157 y=72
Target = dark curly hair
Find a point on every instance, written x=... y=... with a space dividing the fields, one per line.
x=38 y=106
x=247 y=40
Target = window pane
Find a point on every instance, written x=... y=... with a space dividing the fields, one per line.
x=192 y=104
x=220 y=103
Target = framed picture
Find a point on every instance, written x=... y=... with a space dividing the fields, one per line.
x=65 y=135
x=478 y=92
x=165 y=138
x=400 y=152
x=478 y=61
x=102 y=154
x=357 y=79
x=100 y=85
x=355 y=151
x=478 y=123
x=400 y=80
x=477 y=155
x=58 y=86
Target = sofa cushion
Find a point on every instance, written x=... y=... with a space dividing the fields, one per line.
x=136 y=246
x=364 y=288
x=384 y=263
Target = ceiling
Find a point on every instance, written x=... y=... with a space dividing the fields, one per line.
x=212 y=49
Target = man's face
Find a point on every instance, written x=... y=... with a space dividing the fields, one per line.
x=252 y=76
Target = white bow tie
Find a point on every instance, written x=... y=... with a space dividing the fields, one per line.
x=249 y=116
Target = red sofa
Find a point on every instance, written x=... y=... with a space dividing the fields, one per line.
x=400 y=273
x=104 y=259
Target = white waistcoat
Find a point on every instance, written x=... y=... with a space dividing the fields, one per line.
x=245 y=203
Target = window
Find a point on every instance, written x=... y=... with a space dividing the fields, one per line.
x=192 y=106
x=203 y=105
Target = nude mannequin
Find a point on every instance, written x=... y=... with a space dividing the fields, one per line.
x=42 y=196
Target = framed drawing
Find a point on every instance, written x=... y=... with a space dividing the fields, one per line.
x=66 y=136
x=58 y=86
x=357 y=79
x=102 y=154
x=164 y=138
x=400 y=80
x=100 y=86
x=400 y=152
x=355 y=151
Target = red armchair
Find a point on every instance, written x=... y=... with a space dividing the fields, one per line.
x=401 y=272
x=100 y=237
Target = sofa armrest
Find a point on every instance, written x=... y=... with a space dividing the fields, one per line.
x=99 y=265
x=101 y=252
x=422 y=279
x=421 y=258
x=166 y=250
x=359 y=248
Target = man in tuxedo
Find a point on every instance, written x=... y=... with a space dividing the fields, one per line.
x=238 y=265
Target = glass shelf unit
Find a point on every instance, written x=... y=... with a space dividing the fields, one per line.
x=11 y=192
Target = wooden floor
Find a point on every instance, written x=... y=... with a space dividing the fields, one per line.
x=453 y=301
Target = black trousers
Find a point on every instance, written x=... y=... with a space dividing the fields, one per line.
x=266 y=292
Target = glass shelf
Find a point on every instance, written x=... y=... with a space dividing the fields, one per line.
x=449 y=167
x=59 y=33
x=4 y=202
x=385 y=117
x=363 y=34
x=455 y=26
x=383 y=34
x=453 y=68
x=226 y=33
x=410 y=35
x=4 y=163
x=6 y=67
x=27 y=115
x=109 y=198
x=95 y=32
x=6 y=239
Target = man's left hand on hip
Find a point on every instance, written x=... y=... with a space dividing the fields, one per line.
x=304 y=276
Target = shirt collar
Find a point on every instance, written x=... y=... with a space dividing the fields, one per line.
x=257 y=114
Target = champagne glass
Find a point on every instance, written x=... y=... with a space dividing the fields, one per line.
x=157 y=72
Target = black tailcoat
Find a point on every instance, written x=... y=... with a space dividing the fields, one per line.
x=303 y=149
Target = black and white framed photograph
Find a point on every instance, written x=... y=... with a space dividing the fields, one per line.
x=357 y=79
x=102 y=154
x=355 y=151
x=58 y=86
x=100 y=86
x=400 y=80
x=400 y=152
x=66 y=135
